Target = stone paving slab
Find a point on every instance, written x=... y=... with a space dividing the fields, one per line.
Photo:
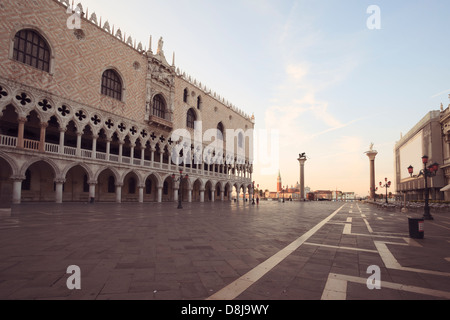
x=156 y=252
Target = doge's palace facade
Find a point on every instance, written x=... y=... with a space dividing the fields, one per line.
x=86 y=114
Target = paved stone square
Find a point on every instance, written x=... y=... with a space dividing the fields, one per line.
x=273 y=251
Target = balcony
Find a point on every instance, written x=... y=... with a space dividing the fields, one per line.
x=163 y=123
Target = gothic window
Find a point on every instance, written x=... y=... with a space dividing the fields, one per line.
x=159 y=107
x=112 y=84
x=190 y=119
x=199 y=102
x=111 y=185
x=185 y=95
x=32 y=49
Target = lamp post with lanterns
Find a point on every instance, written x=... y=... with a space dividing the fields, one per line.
x=180 y=179
x=387 y=184
x=426 y=172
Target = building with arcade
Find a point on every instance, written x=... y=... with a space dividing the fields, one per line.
x=88 y=114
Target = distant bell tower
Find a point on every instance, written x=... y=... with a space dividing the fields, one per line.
x=279 y=185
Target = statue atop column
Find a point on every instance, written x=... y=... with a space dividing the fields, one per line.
x=302 y=159
x=372 y=154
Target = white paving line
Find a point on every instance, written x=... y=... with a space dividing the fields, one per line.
x=336 y=287
x=340 y=247
x=237 y=287
x=348 y=231
x=367 y=225
x=391 y=263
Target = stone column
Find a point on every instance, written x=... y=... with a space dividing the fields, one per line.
x=175 y=192
x=94 y=146
x=62 y=132
x=17 y=190
x=302 y=160
x=372 y=154
x=79 y=135
x=142 y=155
x=152 y=159
x=92 y=185
x=189 y=195
x=119 y=193
x=108 y=148
x=141 y=193
x=159 y=194
x=59 y=190
x=20 y=142
x=44 y=126
x=121 y=143
x=202 y=195
x=132 y=153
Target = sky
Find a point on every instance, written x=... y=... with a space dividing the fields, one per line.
x=327 y=77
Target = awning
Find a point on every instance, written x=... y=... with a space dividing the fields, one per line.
x=446 y=188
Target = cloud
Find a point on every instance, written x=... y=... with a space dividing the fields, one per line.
x=440 y=93
x=296 y=101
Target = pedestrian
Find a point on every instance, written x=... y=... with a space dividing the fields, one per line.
x=257 y=200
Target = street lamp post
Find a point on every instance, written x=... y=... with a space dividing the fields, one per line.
x=253 y=193
x=387 y=184
x=180 y=179
x=283 y=193
x=431 y=171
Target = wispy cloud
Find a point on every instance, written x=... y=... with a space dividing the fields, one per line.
x=337 y=127
x=441 y=93
x=299 y=97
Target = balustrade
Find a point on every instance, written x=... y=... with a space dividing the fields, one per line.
x=8 y=141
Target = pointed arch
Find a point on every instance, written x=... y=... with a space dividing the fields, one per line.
x=112 y=169
x=80 y=164
x=30 y=162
